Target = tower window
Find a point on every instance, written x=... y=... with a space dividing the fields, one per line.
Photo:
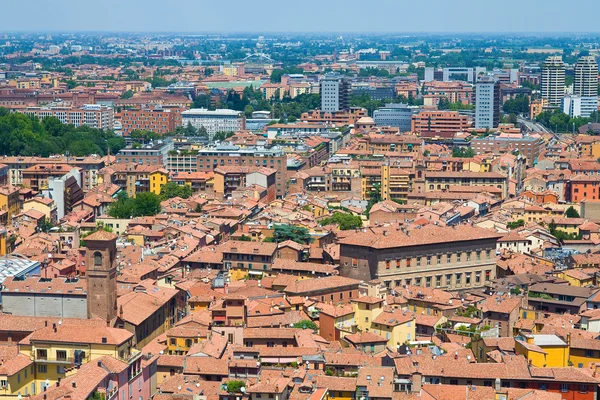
x=97 y=258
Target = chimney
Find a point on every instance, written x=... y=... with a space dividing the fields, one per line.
x=74 y=384
x=54 y=327
x=58 y=382
x=417 y=380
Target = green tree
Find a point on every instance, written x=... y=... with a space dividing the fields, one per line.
x=346 y=221
x=127 y=95
x=374 y=197
x=248 y=110
x=518 y=105
x=144 y=204
x=463 y=152
x=571 y=213
x=515 y=224
x=46 y=225
x=144 y=135
x=202 y=101
x=306 y=324
x=235 y=386
x=298 y=234
x=171 y=189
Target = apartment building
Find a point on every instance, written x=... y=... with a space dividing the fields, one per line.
x=335 y=93
x=221 y=120
x=37 y=177
x=89 y=167
x=247 y=258
x=453 y=91
x=338 y=118
x=436 y=181
x=553 y=80
x=380 y=144
x=228 y=179
x=92 y=115
x=158 y=120
x=209 y=158
x=439 y=123
x=583 y=187
x=487 y=103
x=10 y=203
x=529 y=146
x=149 y=154
x=431 y=256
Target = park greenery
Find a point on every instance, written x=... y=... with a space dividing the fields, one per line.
x=24 y=135
x=561 y=122
x=345 y=221
x=143 y=204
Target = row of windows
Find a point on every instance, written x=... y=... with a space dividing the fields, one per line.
x=443 y=280
x=427 y=260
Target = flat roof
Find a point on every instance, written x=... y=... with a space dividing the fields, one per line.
x=16 y=265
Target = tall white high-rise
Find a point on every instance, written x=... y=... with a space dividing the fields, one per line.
x=553 y=80
x=585 y=83
x=487 y=102
x=335 y=93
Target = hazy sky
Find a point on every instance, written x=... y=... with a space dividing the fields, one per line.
x=301 y=16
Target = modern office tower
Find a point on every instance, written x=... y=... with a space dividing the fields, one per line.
x=585 y=83
x=553 y=80
x=398 y=115
x=335 y=93
x=487 y=102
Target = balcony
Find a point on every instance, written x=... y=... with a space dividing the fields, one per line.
x=59 y=360
x=110 y=394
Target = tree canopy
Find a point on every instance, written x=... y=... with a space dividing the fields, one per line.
x=24 y=135
x=298 y=234
x=518 y=105
x=346 y=221
x=171 y=189
x=144 y=204
x=306 y=324
x=571 y=213
x=463 y=152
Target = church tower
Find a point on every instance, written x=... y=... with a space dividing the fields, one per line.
x=101 y=274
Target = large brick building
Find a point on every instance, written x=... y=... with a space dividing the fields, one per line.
x=439 y=123
x=432 y=256
x=157 y=120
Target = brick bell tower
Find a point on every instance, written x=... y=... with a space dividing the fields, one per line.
x=101 y=275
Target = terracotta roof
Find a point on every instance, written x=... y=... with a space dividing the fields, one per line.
x=307 y=286
x=429 y=234
x=81 y=334
x=365 y=337
x=394 y=317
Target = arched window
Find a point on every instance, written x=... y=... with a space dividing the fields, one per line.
x=97 y=258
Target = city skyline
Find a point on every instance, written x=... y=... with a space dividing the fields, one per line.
x=314 y=16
